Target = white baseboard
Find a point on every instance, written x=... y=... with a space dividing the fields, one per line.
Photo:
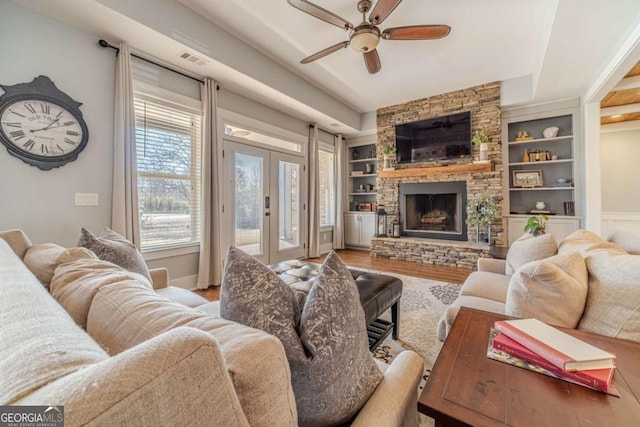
x=186 y=282
x=611 y=220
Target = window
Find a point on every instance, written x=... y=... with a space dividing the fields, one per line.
x=327 y=187
x=168 y=154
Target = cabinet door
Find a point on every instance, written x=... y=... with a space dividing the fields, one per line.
x=367 y=229
x=351 y=229
x=516 y=228
x=562 y=227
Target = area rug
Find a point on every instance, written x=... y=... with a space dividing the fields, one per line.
x=422 y=303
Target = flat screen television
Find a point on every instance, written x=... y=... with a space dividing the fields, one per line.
x=439 y=138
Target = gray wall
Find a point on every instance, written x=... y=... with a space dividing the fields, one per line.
x=42 y=202
x=620 y=152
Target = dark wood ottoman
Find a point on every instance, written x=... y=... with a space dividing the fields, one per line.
x=378 y=293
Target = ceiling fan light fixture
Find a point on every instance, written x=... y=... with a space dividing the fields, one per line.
x=365 y=39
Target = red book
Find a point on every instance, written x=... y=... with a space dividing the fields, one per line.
x=596 y=378
x=563 y=350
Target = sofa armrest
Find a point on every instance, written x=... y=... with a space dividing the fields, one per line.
x=159 y=277
x=395 y=400
x=171 y=379
x=492 y=265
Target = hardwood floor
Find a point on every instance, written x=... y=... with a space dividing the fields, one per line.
x=362 y=259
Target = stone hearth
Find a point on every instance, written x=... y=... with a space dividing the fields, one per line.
x=484 y=104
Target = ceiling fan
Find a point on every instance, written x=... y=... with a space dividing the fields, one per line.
x=366 y=36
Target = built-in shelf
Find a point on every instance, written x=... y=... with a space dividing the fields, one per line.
x=372 y=159
x=438 y=170
x=363 y=175
x=542 y=162
x=541 y=189
x=537 y=140
x=362 y=194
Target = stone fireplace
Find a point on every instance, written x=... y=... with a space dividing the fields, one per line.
x=435 y=210
x=423 y=196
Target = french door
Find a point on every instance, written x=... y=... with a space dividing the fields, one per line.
x=264 y=194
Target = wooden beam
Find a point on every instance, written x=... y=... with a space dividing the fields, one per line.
x=438 y=170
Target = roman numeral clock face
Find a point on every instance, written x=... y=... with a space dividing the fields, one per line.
x=41 y=130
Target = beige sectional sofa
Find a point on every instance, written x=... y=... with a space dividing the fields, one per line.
x=114 y=351
x=582 y=282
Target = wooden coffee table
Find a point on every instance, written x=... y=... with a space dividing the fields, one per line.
x=468 y=389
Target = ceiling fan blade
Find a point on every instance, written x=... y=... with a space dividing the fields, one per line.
x=320 y=13
x=382 y=9
x=324 y=52
x=416 y=32
x=372 y=61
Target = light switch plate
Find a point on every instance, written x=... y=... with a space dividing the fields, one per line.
x=86 y=199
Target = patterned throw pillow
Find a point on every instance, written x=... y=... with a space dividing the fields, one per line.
x=332 y=372
x=112 y=247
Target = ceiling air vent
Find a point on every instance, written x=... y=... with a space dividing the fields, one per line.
x=192 y=58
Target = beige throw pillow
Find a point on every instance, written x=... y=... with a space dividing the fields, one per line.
x=627 y=238
x=613 y=303
x=43 y=259
x=579 y=241
x=553 y=290
x=529 y=248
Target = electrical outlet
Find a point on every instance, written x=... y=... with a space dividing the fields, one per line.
x=86 y=199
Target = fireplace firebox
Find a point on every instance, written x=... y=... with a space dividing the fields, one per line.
x=434 y=210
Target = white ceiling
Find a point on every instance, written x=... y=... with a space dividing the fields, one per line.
x=541 y=50
x=552 y=49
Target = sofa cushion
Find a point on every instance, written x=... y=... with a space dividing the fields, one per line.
x=42 y=259
x=39 y=341
x=627 y=238
x=112 y=247
x=449 y=315
x=553 y=290
x=332 y=371
x=613 y=301
x=529 y=248
x=76 y=283
x=123 y=316
x=17 y=240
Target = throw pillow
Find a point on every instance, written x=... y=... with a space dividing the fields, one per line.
x=112 y=247
x=579 y=241
x=43 y=259
x=627 y=238
x=332 y=372
x=553 y=290
x=529 y=248
x=613 y=303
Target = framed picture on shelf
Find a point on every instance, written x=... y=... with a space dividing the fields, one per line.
x=364 y=207
x=527 y=179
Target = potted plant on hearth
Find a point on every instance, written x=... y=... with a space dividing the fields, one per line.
x=387 y=150
x=482 y=139
x=481 y=212
x=536 y=225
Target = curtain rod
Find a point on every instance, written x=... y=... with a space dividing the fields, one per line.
x=105 y=43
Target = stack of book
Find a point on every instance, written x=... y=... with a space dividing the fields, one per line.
x=536 y=346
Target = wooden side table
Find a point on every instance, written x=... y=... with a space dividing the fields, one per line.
x=468 y=389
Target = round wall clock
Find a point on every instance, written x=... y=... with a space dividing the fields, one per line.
x=41 y=125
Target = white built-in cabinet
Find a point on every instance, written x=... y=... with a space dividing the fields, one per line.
x=361 y=192
x=555 y=158
x=359 y=228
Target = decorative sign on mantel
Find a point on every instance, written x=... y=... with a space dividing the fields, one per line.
x=438 y=170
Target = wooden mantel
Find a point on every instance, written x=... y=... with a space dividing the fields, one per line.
x=437 y=170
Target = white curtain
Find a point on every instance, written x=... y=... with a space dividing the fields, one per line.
x=314 y=194
x=340 y=171
x=209 y=271
x=124 y=201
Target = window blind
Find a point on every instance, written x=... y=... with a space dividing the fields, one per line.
x=327 y=187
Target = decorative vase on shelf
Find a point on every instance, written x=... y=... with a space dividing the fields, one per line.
x=484 y=151
x=386 y=165
x=525 y=156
